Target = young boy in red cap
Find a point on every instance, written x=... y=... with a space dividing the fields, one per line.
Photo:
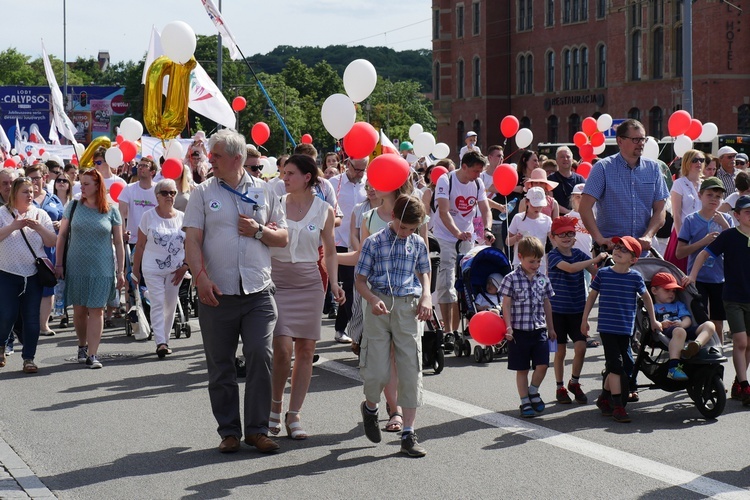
x=677 y=323
x=618 y=285
x=565 y=268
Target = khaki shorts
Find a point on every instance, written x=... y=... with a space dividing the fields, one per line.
x=738 y=316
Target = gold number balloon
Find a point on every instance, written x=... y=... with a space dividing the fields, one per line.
x=167 y=119
x=87 y=158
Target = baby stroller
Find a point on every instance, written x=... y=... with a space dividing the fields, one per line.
x=433 y=349
x=136 y=322
x=184 y=305
x=475 y=267
x=705 y=371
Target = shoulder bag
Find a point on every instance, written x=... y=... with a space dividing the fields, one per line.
x=45 y=269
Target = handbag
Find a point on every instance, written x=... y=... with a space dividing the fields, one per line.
x=44 y=268
x=67 y=239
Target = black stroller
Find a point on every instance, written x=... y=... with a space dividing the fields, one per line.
x=705 y=372
x=474 y=269
x=433 y=350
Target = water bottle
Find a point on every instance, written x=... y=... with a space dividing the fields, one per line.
x=508 y=209
x=59 y=301
x=713 y=227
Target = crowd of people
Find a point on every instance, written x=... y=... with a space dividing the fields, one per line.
x=268 y=257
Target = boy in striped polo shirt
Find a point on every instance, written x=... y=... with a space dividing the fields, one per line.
x=618 y=285
x=566 y=266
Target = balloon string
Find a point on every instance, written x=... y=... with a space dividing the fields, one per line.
x=514 y=152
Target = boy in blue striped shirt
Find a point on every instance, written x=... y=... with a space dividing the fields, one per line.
x=566 y=266
x=618 y=285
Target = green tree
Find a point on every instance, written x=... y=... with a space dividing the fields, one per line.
x=15 y=69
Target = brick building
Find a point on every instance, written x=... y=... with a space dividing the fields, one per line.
x=552 y=63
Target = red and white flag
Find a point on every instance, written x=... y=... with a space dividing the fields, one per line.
x=226 y=35
x=61 y=120
x=35 y=135
x=386 y=144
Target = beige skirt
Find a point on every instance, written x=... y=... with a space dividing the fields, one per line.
x=299 y=299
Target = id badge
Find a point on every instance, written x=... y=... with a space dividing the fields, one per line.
x=257 y=194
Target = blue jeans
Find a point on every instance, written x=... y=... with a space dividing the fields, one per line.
x=20 y=295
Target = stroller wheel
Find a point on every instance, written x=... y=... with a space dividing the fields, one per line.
x=188 y=332
x=128 y=328
x=439 y=361
x=488 y=353
x=478 y=354
x=467 y=348
x=709 y=396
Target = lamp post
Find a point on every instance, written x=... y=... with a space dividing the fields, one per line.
x=65 y=56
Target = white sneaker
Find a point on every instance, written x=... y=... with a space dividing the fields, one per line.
x=93 y=362
x=342 y=338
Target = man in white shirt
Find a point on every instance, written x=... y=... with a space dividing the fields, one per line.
x=136 y=198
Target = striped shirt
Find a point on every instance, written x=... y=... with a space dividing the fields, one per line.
x=527 y=298
x=391 y=264
x=617 y=299
x=728 y=180
x=570 y=288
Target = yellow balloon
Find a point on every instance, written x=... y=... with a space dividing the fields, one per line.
x=87 y=158
x=166 y=119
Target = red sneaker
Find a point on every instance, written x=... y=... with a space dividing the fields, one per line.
x=605 y=406
x=563 y=397
x=578 y=393
x=745 y=395
x=620 y=415
x=736 y=390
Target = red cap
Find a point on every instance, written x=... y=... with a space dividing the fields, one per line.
x=666 y=281
x=630 y=243
x=563 y=223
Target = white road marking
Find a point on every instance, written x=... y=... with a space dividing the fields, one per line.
x=612 y=456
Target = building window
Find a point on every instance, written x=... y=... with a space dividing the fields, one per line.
x=477 y=74
x=584 y=10
x=525 y=15
x=529 y=14
x=524 y=122
x=635 y=18
x=566 y=69
x=436 y=24
x=460 y=131
x=550 y=71
x=529 y=74
x=552 y=127
x=436 y=86
x=475 y=20
x=574 y=125
x=677 y=6
x=601 y=66
x=522 y=74
x=634 y=113
x=635 y=55
x=601 y=9
x=576 y=68
x=476 y=126
x=459 y=21
x=678 y=50
x=549 y=16
x=566 y=12
x=460 y=78
x=575 y=8
x=743 y=119
x=655 y=118
x=657 y=54
x=584 y=68
x=657 y=12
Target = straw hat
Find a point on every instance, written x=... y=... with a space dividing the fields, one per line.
x=540 y=175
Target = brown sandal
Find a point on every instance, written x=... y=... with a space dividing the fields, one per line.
x=394 y=425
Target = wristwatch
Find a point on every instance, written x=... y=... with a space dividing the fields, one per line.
x=259 y=233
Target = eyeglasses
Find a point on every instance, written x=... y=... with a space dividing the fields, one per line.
x=144 y=165
x=568 y=234
x=360 y=170
x=698 y=160
x=168 y=193
x=32 y=179
x=255 y=168
x=622 y=248
x=66 y=181
x=98 y=162
x=740 y=162
x=636 y=140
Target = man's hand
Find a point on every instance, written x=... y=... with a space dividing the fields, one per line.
x=645 y=243
x=247 y=226
x=207 y=290
x=378 y=308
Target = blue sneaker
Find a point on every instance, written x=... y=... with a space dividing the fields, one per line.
x=527 y=411
x=677 y=374
x=536 y=403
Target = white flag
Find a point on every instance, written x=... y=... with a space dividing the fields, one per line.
x=226 y=35
x=61 y=120
x=53 y=137
x=18 y=139
x=4 y=141
x=154 y=50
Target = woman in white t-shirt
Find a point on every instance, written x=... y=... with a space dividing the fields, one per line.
x=160 y=253
x=684 y=193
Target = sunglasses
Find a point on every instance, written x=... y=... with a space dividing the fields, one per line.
x=195 y=155
x=568 y=234
x=55 y=172
x=740 y=162
x=698 y=160
x=66 y=181
x=168 y=193
x=255 y=168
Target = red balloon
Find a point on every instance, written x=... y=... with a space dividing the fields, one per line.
x=436 y=173
x=695 y=130
x=487 y=328
x=10 y=162
x=597 y=139
x=129 y=150
x=41 y=151
x=172 y=168
x=509 y=126
x=361 y=140
x=388 y=172
x=74 y=160
x=589 y=126
x=260 y=133
x=119 y=139
x=586 y=152
x=579 y=139
x=115 y=191
x=306 y=139
x=584 y=169
x=239 y=103
x=505 y=179
x=679 y=123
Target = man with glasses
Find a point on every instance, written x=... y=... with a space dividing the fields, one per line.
x=726 y=171
x=253 y=165
x=136 y=198
x=740 y=161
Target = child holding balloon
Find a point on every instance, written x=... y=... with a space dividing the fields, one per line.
x=528 y=313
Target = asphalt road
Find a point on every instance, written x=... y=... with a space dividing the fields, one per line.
x=142 y=428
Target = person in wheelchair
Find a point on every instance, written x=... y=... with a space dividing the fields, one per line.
x=677 y=323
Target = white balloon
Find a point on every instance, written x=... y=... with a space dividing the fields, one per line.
x=651 y=149
x=45 y=156
x=131 y=129
x=174 y=150
x=709 y=132
x=681 y=145
x=16 y=158
x=268 y=167
x=441 y=150
x=338 y=114
x=414 y=131
x=600 y=149
x=57 y=160
x=424 y=144
x=273 y=160
x=178 y=41
x=113 y=157
x=604 y=122
x=360 y=79
x=524 y=138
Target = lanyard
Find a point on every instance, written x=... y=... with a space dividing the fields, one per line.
x=244 y=197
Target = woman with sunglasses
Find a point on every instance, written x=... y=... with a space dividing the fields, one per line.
x=160 y=254
x=91 y=274
x=20 y=289
x=54 y=208
x=684 y=193
x=62 y=189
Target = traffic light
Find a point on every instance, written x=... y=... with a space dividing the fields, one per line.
x=84 y=99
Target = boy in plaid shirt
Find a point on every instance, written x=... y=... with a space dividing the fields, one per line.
x=528 y=313
x=394 y=261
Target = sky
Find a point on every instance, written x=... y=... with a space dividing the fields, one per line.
x=123 y=28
